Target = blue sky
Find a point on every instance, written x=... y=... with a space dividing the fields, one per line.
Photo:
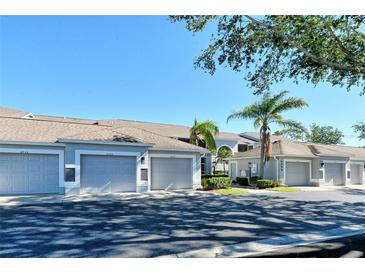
x=139 y=68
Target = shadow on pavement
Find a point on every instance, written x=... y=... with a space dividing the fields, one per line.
x=149 y=227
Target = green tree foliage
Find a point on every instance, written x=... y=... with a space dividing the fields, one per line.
x=359 y=128
x=267 y=111
x=298 y=134
x=203 y=133
x=325 y=135
x=222 y=154
x=271 y=48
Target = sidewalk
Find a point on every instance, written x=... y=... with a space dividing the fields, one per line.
x=309 y=189
x=257 y=248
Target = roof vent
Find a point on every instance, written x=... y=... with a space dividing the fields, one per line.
x=28 y=116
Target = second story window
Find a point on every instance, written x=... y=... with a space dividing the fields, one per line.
x=242 y=148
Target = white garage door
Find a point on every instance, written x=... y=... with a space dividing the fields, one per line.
x=107 y=174
x=334 y=174
x=28 y=174
x=355 y=174
x=171 y=173
x=297 y=174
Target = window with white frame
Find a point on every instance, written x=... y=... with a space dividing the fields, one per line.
x=70 y=173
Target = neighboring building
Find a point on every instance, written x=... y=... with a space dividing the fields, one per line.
x=299 y=163
x=38 y=151
x=232 y=141
x=44 y=154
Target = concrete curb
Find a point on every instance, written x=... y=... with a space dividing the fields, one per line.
x=260 y=247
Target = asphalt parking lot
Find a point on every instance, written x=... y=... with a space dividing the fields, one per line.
x=156 y=224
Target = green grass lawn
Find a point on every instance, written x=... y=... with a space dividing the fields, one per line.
x=285 y=189
x=231 y=191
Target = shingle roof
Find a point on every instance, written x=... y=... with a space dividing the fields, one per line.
x=65 y=119
x=175 y=131
x=168 y=130
x=286 y=147
x=256 y=136
x=355 y=153
x=11 y=112
x=18 y=129
x=149 y=129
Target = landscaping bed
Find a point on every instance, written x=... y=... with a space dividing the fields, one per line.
x=285 y=189
x=231 y=191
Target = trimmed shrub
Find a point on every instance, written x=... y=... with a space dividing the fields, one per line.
x=204 y=182
x=267 y=184
x=208 y=176
x=242 y=181
x=217 y=183
x=221 y=173
x=254 y=180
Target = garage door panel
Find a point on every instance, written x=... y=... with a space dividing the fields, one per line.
x=334 y=174
x=297 y=173
x=171 y=173
x=356 y=171
x=106 y=174
x=29 y=173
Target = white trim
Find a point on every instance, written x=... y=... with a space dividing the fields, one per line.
x=225 y=145
x=342 y=162
x=344 y=175
x=334 y=161
x=299 y=161
x=70 y=184
x=199 y=150
x=31 y=143
x=272 y=156
x=361 y=164
x=195 y=175
x=230 y=170
x=76 y=141
x=60 y=153
x=78 y=154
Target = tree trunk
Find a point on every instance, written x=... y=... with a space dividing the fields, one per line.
x=263 y=147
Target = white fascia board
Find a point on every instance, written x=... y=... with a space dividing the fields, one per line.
x=296 y=156
x=75 y=141
x=31 y=143
x=178 y=150
x=334 y=155
x=271 y=156
x=241 y=142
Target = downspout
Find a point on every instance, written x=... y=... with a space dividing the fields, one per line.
x=277 y=168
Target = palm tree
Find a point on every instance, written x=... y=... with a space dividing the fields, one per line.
x=267 y=111
x=222 y=154
x=203 y=133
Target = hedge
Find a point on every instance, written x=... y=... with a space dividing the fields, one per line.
x=242 y=181
x=208 y=176
x=267 y=184
x=216 y=183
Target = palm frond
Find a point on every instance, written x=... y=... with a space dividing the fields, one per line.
x=249 y=112
x=292 y=124
x=288 y=104
x=204 y=133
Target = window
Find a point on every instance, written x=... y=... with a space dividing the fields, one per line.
x=321 y=174
x=242 y=148
x=70 y=174
x=203 y=165
x=348 y=174
x=143 y=160
x=144 y=174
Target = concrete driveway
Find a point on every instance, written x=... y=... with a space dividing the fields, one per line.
x=156 y=224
